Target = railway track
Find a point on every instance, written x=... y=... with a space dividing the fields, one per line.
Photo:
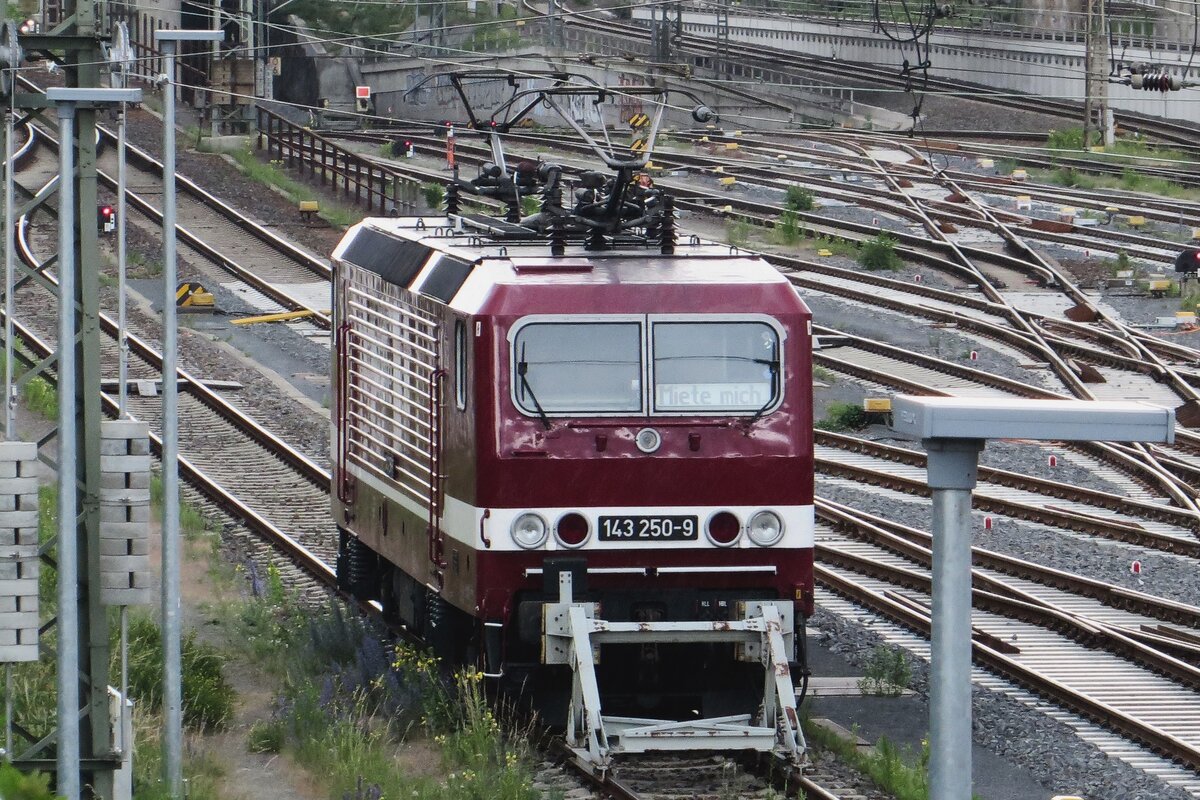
x=1045 y=647
x=234 y=462
x=1120 y=355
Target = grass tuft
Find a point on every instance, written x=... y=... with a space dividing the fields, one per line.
x=843 y=417
x=879 y=253
x=270 y=174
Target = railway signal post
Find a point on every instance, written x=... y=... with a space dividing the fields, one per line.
x=953 y=431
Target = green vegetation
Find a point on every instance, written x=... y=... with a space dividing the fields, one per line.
x=887 y=673
x=737 y=232
x=879 y=253
x=349 y=702
x=207 y=697
x=1070 y=139
x=843 y=417
x=492 y=38
x=885 y=765
x=799 y=199
x=1190 y=301
x=787 y=230
x=530 y=205
x=38 y=394
x=16 y=785
x=40 y=397
x=351 y=19
x=434 y=194
x=824 y=375
x=837 y=246
x=270 y=174
x=265 y=737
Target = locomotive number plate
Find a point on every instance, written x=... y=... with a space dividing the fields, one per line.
x=636 y=529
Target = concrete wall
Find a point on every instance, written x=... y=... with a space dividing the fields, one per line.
x=392 y=79
x=1042 y=65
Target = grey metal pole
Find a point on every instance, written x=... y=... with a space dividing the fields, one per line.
x=172 y=688
x=952 y=473
x=10 y=398
x=122 y=333
x=68 y=566
x=8 y=711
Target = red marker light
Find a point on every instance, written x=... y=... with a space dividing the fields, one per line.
x=106 y=211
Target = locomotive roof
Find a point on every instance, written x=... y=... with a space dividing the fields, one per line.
x=459 y=260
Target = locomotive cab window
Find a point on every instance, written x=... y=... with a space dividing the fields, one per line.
x=648 y=365
x=724 y=366
x=578 y=368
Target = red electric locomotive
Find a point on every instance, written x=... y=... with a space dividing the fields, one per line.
x=576 y=400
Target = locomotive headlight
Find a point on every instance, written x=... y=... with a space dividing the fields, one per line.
x=765 y=528
x=529 y=530
x=648 y=440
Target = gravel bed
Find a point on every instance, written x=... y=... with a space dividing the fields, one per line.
x=219 y=177
x=1047 y=748
x=1022 y=458
x=913 y=333
x=1051 y=751
x=1163 y=575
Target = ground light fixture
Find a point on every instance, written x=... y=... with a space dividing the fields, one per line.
x=953 y=431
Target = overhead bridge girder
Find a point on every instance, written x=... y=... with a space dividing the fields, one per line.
x=572 y=635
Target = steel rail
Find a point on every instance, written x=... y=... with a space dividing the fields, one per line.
x=213 y=254
x=1129 y=533
x=1170 y=515
x=915 y=544
x=297 y=460
x=1007 y=667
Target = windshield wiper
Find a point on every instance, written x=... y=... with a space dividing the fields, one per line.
x=522 y=368
x=772 y=365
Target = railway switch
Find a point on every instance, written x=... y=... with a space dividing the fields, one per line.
x=106 y=219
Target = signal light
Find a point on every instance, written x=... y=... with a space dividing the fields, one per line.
x=106 y=219
x=723 y=528
x=1188 y=261
x=408 y=149
x=572 y=529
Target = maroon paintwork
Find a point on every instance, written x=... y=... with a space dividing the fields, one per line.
x=768 y=462
x=494 y=456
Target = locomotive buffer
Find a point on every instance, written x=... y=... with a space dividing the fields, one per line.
x=572 y=635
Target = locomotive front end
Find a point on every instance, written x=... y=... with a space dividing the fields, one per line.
x=653 y=424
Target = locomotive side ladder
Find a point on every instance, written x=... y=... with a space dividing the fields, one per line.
x=572 y=635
